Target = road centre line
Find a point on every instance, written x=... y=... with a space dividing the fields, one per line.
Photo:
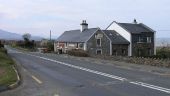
x=166 y=90
x=33 y=77
x=36 y=79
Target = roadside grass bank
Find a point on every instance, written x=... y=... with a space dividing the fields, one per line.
x=23 y=49
x=8 y=75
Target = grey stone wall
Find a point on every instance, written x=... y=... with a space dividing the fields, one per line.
x=142 y=46
x=92 y=45
x=120 y=49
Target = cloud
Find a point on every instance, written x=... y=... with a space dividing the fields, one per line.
x=61 y=15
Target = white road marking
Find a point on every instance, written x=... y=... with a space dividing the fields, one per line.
x=32 y=76
x=56 y=95
x=166 y=90
x=36 y=79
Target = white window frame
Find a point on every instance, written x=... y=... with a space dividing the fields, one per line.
x=149 y=39
x=99 y=50
x=100 y=42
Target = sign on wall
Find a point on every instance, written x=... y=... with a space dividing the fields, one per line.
x=71 y=45
x=98 y=36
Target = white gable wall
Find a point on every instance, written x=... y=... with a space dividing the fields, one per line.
x=123 y=33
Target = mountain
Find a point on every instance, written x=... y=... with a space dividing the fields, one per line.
x=13 y=36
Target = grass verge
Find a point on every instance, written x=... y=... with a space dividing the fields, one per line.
x=7 y=73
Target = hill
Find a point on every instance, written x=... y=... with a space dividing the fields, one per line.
x=14 y=36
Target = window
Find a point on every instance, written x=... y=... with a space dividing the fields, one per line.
x=140 y=39
x=77 y=45
x=66 y=44
x=114 y=52
x=123 y=51
x=148 y=39
x=99 y=52
x=98 y=41
x=144 y=39
x=81 y=45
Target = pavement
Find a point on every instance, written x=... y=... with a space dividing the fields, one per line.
x=63 y=75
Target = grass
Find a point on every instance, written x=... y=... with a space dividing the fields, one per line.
x=7 y=73
x=23 y=49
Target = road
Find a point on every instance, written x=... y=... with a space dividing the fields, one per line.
x=59 y=75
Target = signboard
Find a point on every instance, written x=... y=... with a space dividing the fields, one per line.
x=98 y=36
x=71 y=45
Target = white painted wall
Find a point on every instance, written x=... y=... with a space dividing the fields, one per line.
x=123 y=33
x=154 y=43
x=110 y=48
x=85 y=46
x=55 y=46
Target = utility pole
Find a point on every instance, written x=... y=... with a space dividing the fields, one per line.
x=50 y=35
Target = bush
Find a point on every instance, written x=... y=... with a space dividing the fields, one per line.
x=1 y=45
x=78 y=52
x=3 y=50
x=163 y=53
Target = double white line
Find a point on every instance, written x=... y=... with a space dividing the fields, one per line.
x=166 y=90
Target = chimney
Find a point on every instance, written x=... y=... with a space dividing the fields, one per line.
x=84 y=25
x=135 y=21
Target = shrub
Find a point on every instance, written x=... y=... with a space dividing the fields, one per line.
x=3 y=50
x=163 y=53
x=77 y=52
x=1 y=45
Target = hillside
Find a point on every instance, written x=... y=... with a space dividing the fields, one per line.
x=13 y=36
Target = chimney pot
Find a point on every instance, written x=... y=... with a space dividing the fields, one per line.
x=84 y=25
x=135 y=21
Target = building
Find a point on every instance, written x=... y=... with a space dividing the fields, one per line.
x=120 y=39
x=141 y=37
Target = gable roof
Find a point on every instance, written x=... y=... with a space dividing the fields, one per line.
x=115 y=37
x=135 y=28
x=76 y=35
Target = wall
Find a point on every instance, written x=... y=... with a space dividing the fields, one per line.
x=68 y=46
x=143 y=46
x=118 y=48
x=105 y=44
x=123 y=33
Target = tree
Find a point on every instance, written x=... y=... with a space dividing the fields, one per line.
x=1 y=45
x=27 y=42
x=26 y=36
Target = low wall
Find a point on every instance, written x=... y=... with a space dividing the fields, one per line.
x=139 y=60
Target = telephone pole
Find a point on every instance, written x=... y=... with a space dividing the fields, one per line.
x=50 y=35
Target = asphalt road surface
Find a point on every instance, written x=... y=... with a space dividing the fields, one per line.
x=58 y=75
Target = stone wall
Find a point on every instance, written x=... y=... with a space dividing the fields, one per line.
x=117 y=49
x=139 y=60
x=143 y=46
x=105 y=44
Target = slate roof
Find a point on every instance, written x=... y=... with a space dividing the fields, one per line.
x=115 y=37
x=76 y=35
x=135 y=28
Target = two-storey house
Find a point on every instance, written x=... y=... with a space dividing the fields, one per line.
x=120 y=39
x=140 y=36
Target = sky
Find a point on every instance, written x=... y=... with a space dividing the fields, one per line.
x=38 y=17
